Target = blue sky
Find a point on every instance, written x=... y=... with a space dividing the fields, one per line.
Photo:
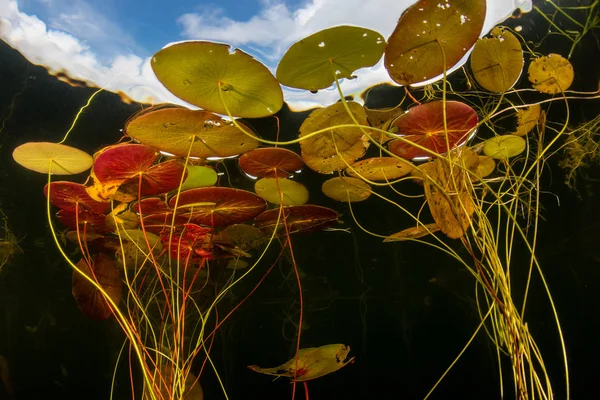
x=109 y=42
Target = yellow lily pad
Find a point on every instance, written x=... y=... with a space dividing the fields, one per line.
x=311 y=363
x=336 y=162
x=428 y=33
x=551 y=74
x=292 y=192
x=505 y=146
x=527 y=118
x=448 y=196
x=217 y=78
x=335 y=140
x=379 y=169
x=52 y=158
x=497 y=62
x=346 y=189
x=174 y=130
x=316 y=61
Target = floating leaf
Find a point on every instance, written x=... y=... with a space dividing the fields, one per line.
x=311 y=363
x=424 y=126
x=88 y=221
x=337 y=162
x=312 y=62
x=218 y=206
x=505 y=146
x=497 y=62
x=551 y=74
x=428 y=32
x=214 y=77
x=54 y=158
x=485 y=166
x=414 y=232
x=71 y=196
x=292 y=192
x=243 y=236
x=448 y=196
x=175 y=130
x=379 y=169
x=89 y=298
x=199 y=176
x=270 y=162
x=298 y=218
x=335 y=140
x=380 y=117
x=527 y=118
x=346 y=189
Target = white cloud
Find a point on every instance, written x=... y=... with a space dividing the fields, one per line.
x=89 y=46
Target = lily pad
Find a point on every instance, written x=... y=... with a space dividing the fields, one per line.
x=270 y=162
x=346 y=189
x=497 y=62
x=72 y=196
x=199 y=176
x=337 y=162
x=424 y=126
x=214 y=77
x=298 y=218
x=292 y=192
x=414 y=232
x=316 y=61
x=334 y=140
x=527 y=119
x=551 y=74
x=52 y=158
x=429 y=33
x=505 y=146
x=379 y=169
x=311 y=363
x=175 y=130
x=448 y=196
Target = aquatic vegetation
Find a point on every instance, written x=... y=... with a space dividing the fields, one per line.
x=164 y=238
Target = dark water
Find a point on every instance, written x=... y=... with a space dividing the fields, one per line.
x=375 y=297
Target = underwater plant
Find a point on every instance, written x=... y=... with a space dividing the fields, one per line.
x=163 y=237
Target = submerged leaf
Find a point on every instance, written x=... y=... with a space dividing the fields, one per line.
x=527 y=118
x=311 y=363
x=505 y=146
x=346 y=189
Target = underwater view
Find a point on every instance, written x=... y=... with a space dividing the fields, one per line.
x=269 y=231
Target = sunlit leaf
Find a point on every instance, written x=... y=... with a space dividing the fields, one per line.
x=429 y=32
x=71 y=196
x=335 y=140
x=292 y=193
x=379 y=169
x=551 y=74
x=497 y=62
x=505 y=146
x=337 y=162
x=448 y=196
x=312 y=62
x=54 y=158
x=346 y=189
x=527 y=118
x=180 y=131
x=217 y=78
x=311 y=363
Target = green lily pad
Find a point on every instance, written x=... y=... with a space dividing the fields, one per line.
x=414 y=51
x=312 y=62
x=216 y=78
x=497 y=62
x=292 y=192
x=199 y=176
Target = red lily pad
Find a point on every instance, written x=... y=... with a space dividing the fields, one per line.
x=91 y=221
x=90 y=299
x=424 y=126
x=271 y=162
x=71 y=196
x=218 y=206
x=150 y=205
x=298 y=218
x=191 y=240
